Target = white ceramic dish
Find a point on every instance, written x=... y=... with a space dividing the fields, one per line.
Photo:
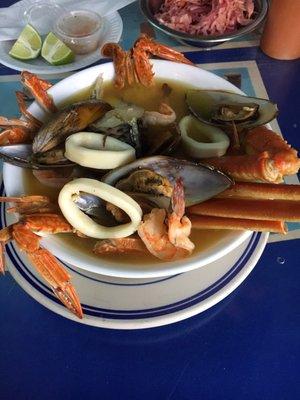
x=113 y=28
x=79 y=81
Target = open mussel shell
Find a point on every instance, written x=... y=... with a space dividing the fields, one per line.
x=71 y=119
x=219 y=108
x=21 y=155
x=200 y=182
x=94 y=207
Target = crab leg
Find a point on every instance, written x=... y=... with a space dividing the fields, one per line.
x=256 y=167
x=5 y=237
x=45 y=263
x=209 y=222
x=142 y=66
x=284 y=156
x=50 y=223
x=2 y=258
x=14 y=136
x=25 y=199
x=119 y=56
x=36 y=124
x=14 y=122
x=18 y=131
x=38 y=87
x=130 y=73
x=147 y=44
x=59 y=280
x=29 y=204
x=143 y=48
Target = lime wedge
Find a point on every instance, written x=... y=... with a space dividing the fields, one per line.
x=28 y=44
x=55 y=51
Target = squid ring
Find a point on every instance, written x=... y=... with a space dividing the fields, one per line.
x=94 y=150
x=201 y=140
x=85 y=224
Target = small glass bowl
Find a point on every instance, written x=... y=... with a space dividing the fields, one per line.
x=80 y=30
x=42 y=15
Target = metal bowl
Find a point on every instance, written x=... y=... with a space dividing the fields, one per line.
x=150 y=7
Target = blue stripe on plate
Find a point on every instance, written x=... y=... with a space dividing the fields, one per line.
x=136 y=314
x=118 y=284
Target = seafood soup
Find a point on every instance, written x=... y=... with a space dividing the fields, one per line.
x=148 y=98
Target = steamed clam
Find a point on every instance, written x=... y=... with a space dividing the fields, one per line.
x=219 y=108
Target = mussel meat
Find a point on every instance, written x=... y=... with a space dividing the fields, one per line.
x=235 y=112
x=219 y=108
x=146 y=181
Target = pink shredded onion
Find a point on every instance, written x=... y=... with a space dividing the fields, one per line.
x=205 y=17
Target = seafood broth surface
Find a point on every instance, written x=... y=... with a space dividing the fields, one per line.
x=148 y=98
x=203 y=239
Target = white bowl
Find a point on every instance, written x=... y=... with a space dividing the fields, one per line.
x=79 y=81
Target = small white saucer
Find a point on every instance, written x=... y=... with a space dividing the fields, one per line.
x=112 y=33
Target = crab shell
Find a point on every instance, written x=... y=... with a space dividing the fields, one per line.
x=200 y=182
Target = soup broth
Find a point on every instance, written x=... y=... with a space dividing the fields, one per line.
x=149 y=99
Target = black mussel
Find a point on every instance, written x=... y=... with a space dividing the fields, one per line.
x=94 y=207
x=21 y=155
x=200 y=182
x=71 y=119
x=219 y=108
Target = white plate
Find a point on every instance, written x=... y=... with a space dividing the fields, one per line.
x=135 y=304
x=112 y=33
x=68 y=87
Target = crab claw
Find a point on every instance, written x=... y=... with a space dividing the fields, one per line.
x=58 y=278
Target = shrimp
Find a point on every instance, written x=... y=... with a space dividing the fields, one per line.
x=165 y=116
x=166 y=236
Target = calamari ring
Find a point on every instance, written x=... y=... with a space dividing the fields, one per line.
x=85 y=224
x=95 y=150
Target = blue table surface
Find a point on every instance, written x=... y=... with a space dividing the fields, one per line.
x=246 y=347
